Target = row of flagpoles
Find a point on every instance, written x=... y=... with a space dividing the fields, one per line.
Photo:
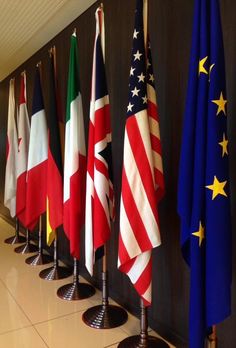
x=35 y=181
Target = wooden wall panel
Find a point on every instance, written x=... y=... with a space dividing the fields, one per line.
x=170 y=26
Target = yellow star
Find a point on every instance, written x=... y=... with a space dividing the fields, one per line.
x=201 y=68
x=200 y=233
x=221 y=104
x=224 y=144
x=217 y=188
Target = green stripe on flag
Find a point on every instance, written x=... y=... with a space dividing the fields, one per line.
x=73 y=80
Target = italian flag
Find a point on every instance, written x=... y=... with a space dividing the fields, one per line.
x=75 y=156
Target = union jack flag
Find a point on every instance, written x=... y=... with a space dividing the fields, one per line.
x=142 y=176
x=99 y=191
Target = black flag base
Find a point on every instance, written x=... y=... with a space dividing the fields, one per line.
x=75 y=291
x=39 y=259
x=105 y=316
x=15 y=240
x=26 y=249
x=143 y=340
x=138 y=342
x=55 y=272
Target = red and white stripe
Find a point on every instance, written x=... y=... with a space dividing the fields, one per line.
x=142 y=189
x=139 y=223
x=22 y=155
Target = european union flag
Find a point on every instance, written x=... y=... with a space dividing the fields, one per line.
x=203 y=197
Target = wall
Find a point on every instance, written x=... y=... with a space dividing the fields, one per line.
x=170 y=26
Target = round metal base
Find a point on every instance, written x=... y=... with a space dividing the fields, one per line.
x=135 y=342
x=105 y=317
x=55 y=273
x=39 y=259
x=15 y=240
x=26 y=249
x=75 y=291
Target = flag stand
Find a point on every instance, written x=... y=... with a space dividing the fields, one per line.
x=212 y=339
x=143 y=340
x=55 y=272
x=16 y=239
x=105 y=316
x=26 y=248
x=76 y=290
x=40 y=258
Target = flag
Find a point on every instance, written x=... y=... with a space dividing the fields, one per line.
x=75 y=156
x=37 y=159
x=203 y=194
x=142 y=175
x=99 y=187
x=54 y=170
x=22 y=154
x=11 y=153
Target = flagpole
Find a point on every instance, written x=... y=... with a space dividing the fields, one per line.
x=212 y=339
x=143 y=340
x=27 y=247
x=76 y=290
x=40 y=258
x=16 y=239
x=55 y=272
x=105 y=316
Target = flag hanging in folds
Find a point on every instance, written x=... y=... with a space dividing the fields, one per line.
x=75 y=156
x=11 y=153
x=37 y=158
x=22 y=154
x=54 y=170
x=203 y=197
x=99 y=187
x=142 y=176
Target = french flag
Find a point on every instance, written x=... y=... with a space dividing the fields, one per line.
x=37 y=159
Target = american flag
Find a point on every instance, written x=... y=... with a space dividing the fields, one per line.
x=99 y=190
x=142 y=176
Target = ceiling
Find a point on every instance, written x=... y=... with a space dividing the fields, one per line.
x=27 y=25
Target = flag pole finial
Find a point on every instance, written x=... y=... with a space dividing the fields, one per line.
x=74 y=31
x=50 y=51
x=101 y=5
x=23 y=72
x=38 y=65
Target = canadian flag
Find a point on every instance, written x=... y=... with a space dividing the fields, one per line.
x=22 y=154
x=10 y=176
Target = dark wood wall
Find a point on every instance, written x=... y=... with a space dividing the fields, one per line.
x=170 y=26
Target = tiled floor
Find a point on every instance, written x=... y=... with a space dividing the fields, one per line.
x=32 y=316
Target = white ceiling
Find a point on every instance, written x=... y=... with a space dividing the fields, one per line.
x=27 y=25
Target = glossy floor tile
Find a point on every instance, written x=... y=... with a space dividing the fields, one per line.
x=38 y=297
x=34 y=317
x=59 y=332
x=24 y=338
x=12 y=317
